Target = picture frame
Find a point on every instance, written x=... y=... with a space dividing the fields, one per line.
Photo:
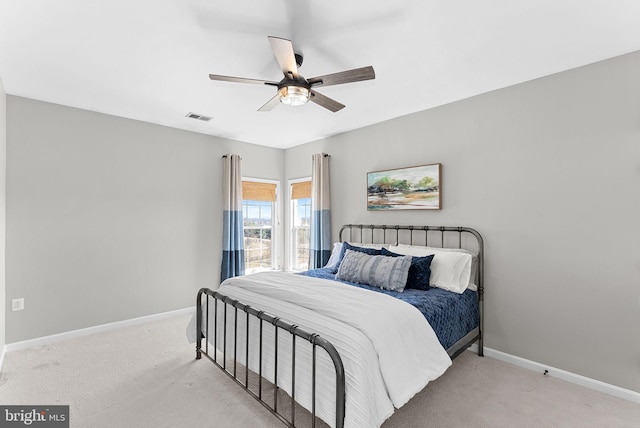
x=410 y=188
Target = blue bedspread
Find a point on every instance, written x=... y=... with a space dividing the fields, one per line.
x=450 y=315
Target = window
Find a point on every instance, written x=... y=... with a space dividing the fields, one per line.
x=258 y=213
x=300 y=224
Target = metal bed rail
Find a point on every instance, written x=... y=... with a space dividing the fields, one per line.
x=278 y=324
x=367 y=232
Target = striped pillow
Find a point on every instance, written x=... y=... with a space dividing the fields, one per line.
x=389 y=273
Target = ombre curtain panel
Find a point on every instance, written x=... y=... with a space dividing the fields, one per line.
x=233 y=234
x=320 y=245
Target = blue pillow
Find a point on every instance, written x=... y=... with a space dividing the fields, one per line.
x=419 y=272
x=346 y=246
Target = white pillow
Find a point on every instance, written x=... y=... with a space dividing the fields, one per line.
x=334 y=259
x=450 y=270
x=474 y=261
x=332 y=263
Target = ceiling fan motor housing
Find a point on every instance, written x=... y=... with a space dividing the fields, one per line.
x=299 y=82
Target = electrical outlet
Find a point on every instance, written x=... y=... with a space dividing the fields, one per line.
x=17 y=304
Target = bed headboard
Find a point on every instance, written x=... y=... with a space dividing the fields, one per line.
x=432 y=236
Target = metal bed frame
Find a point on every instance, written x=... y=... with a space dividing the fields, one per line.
x=317 y=341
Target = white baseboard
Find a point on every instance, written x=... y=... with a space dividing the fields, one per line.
x=16 y=346
x=577 y=379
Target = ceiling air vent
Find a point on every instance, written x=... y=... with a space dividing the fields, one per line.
x=198 y=117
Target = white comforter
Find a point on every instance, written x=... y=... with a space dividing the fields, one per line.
x=388 y=349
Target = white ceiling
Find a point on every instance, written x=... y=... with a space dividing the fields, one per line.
x=149 y=59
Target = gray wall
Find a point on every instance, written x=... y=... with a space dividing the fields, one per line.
x=110 y=219
x=549 y=172
x=3 y=198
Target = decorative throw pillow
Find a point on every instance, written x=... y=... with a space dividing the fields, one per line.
x=389 y=273
x=419 y=272
x=346 y=246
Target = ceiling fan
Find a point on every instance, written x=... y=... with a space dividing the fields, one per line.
x=295 y=90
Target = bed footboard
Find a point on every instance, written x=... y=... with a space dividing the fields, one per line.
x=242 y=310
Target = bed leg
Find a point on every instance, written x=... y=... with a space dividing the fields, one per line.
x=199 y=335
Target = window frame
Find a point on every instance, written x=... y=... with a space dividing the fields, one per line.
x=275 y=226
x=291 y=249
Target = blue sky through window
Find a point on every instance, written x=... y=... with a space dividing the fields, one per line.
x=257 y=210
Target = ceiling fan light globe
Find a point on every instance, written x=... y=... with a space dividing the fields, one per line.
x=294 y=95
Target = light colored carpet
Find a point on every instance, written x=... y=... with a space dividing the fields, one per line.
x=146 y=376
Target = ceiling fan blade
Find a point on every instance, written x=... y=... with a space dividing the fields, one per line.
x=355 y=75
x=269 y=105
x=326 y=102
x=283 y=51
x=241 y=80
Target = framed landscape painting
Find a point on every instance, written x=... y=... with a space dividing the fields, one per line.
x=411 y=188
